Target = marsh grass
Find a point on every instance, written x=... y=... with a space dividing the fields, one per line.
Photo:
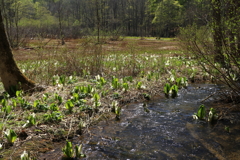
x=120 y=58
x=141 y=67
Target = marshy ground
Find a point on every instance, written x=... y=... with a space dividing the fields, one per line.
x=85 y=83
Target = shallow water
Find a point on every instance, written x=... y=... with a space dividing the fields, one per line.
x=167 y=131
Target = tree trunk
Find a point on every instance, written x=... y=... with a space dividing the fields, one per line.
x=98 y=21
x=11 y=76
x=218 y=31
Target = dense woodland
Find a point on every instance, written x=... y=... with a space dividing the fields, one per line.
x=77 y=18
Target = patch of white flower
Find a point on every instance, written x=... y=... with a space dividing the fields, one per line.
x=167 y=63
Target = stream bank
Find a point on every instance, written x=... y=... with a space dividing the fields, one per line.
x=163 y=130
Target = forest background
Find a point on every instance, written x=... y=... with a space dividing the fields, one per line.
x=77 y=18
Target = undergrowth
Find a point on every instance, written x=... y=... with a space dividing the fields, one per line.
x=86 y=83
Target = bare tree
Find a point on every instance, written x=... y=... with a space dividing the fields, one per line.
x=215 y=45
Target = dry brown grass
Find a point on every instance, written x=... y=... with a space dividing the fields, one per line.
x=79 y=55
x=32 y=51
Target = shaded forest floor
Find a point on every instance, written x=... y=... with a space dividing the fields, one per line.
x=86 y=83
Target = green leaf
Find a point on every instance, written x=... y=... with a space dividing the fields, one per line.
x=201 y=112
x=68 y=150
x=4 y=102
x=10 y=135
x=167 y=88
x=78 y=151
x=174 y=90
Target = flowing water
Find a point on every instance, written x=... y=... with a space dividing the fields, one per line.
x=165 y=130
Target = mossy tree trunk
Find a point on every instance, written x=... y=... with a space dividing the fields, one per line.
x=10 y=74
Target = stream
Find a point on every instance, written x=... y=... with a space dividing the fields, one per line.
x=165 y=130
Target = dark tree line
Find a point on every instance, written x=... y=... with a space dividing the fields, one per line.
x=77 y=18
